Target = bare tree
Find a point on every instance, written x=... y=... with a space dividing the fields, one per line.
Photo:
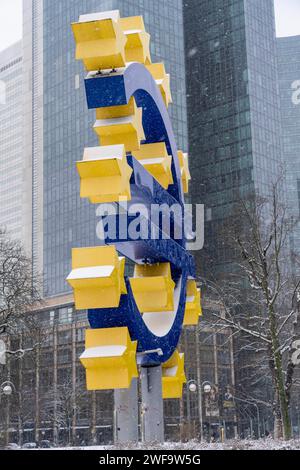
x=20 y=370
x=60 y=405
x=261 y=298
x=20 y=288
x=20 y=294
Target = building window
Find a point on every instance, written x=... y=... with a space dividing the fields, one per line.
x=2 y=92
x=65 y=315
x=51 y=317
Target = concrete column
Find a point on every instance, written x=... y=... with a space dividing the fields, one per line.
x=8 y=404
x=37 y=389
x=152 y=404
x=20 y=396
x=55 y=424
x=126 y=418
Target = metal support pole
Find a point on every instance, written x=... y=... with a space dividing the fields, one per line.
x=126 y=420
x=199 y=384
x=181 y=425
x=188 y=403
x=225 y=431
x=152 y=404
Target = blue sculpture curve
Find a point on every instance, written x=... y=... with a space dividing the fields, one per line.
x=136 y=80
x=113 y=90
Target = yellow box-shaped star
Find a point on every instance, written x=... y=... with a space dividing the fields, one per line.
x=173 y=376
x=117 y=125
x=100 y=41
x=104 y=174
x=109 y=359
x=193 y=304
x=137 y=48
x=155 y=158
x=185 y=172
x=97 y=277
x=162 y=79
x=153 y=288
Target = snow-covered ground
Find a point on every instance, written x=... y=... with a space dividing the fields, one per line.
x=263 y=444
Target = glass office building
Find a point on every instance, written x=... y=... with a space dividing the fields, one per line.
x=66 y=220
x=11 y=149
x=288 y=56
x=233 y=110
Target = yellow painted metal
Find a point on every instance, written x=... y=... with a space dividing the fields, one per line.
x=153 y=287
x=105 y=41
x=185 y=172
x=109 y=359
x=162 y=79
x=173 y=376
x=155 y=158
x=97 y=277
x=137 y=48
x=104 y=174
x=193 y=307
x=112 y=112
x=100 y=41
x=117 y=125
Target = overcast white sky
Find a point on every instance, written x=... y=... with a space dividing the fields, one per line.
x=287 y=17
x=287 y=20
x=10 y=22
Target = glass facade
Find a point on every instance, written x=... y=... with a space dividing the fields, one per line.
x=56 y=366
x=233 y=110
x=11 y=149
x=68 y=221
x=288 y=56
x=263 y=93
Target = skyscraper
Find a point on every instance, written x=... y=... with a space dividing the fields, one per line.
x=12 y=189
x=233 y=110
x=288 y=58
x=61 y=124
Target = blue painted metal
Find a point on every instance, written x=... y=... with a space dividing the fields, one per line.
x=113 y=90
x=135 y=80
x=127 y=314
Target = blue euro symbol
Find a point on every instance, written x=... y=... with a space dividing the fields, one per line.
x=158 y=331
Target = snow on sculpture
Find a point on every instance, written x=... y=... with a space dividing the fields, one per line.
x=134 y=321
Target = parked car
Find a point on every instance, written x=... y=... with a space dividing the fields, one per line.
x=29 y=445
x=12 y=446
x=44 y=444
